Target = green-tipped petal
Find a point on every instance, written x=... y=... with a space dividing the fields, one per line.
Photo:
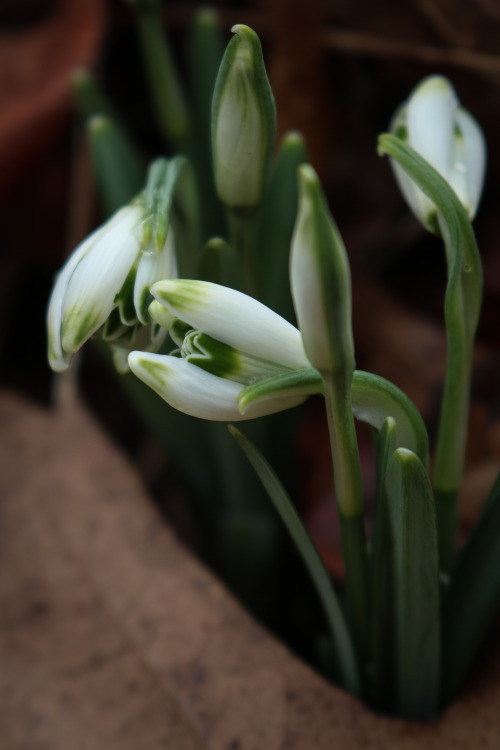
x=469 y=166
x=196 y=392
x=98 y=278
x=59 y=359
x=234 y=319
x=153 y=266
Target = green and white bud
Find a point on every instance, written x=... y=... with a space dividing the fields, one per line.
x=243 y=123
x=434 y=124
x=320 y=281
x=227 y=341
x=104 y=285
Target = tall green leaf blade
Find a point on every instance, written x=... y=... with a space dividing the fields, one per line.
x=118 y=169
x=380 y=564
x=473 y=598
x=275 y=224
x=412 y=523
x=345 y=655
x=206 y=48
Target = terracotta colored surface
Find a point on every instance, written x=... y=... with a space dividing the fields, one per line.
x=35 y=69
x=113 y=636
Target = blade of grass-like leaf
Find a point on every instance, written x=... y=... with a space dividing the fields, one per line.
x=167 y=95
x=206 y=48
x=462 y=306
x=473 y=598
x=275 y=224
x=412 y=523
x=118 y=170
x=345 y=656
x=381 y=632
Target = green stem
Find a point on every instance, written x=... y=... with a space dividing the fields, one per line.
x=166 y=91
x=349 y=496
x=450 y=451
x=241 y=226
x=452 y=431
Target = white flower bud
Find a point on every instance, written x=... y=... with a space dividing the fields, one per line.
x=243 y=122
x=434 y=124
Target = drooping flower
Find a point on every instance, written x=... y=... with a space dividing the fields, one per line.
x=227 y=342
x=434 y=124
x=104 y=285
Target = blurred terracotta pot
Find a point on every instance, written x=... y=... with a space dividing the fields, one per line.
x=113 y=636
x=37 y=58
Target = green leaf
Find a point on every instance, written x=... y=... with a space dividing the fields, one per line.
x=89 y=98
x=382 y=611
x=374 y=399
x=205 y=50
x=412 y=523
x=473 y=598
x=345 y=656
x=118 y=170
x=167 y=94
x=274 y=228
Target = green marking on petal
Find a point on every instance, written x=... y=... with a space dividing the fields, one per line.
x=401 y=132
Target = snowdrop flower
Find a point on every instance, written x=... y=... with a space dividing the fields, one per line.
x=104 y=287
x=227 y=341
x=434 y=124
x=243 y=122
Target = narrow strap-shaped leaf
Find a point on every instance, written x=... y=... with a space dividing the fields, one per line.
x=345 y=656
x=473 y=597
x=381 y=658
x=118 y=170
x=462 y=307
x=205 y=51
x=373 y=400
x=412 y=523
x=167 y=94
x=275 y=224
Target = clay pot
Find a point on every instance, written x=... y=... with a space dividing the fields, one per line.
x=113 y=636
x=38 y=54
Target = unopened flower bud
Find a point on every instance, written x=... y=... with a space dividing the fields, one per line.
x=320 y=281
x=243 y=122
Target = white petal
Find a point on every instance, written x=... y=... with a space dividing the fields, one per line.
x=196 y=392
x=59 y=359
x=431 y=119
x=469 y=167
x=153 y=267
x=98 y=277
x=233 y=318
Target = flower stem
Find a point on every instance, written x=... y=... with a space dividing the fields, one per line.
x=450 y=450
x=241 y=226
x=349 y=496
